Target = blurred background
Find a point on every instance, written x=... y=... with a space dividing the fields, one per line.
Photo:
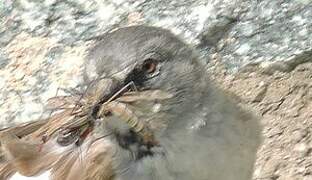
x=259 y=50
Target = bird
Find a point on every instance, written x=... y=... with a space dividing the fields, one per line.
x=148 y=111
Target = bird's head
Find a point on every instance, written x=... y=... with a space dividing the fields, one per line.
x=197 y=127
x=150 y=58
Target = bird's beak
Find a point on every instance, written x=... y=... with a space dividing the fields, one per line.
x=103 y=89
x=110 y=86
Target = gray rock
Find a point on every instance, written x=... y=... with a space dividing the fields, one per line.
x=4 y=60
x=270 y=31
x=242 y=31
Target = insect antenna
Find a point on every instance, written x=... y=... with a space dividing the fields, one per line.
x=130 y=84
x=80 y=98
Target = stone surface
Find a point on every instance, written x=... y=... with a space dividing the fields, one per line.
x=285 y=111
x=38 y=67
x=240 y=31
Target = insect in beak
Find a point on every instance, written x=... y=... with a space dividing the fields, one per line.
x=32 y=147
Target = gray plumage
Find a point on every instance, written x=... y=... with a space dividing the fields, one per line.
x=203 y=135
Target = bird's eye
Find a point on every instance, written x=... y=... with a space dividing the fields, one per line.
x=149 y=66
x=149 y=69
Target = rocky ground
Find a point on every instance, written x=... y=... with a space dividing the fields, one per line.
x=42 y=46
x=283 y=101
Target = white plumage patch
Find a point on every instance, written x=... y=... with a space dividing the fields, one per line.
x=43 y=176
